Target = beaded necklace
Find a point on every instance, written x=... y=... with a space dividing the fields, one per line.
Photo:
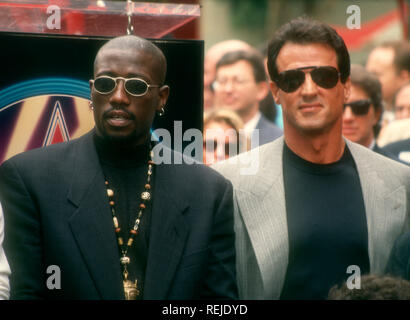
x=131 y=290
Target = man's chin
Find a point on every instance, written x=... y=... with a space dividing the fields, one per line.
x=120 y=137
x=132 y=138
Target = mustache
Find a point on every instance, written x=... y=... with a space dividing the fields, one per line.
x=118 y=111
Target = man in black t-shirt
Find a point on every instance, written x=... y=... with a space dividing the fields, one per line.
x=319 y=210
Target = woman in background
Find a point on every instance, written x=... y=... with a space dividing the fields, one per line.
x=223 y=136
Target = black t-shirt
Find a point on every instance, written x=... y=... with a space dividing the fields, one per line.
x=326 y=225
x=126 y=172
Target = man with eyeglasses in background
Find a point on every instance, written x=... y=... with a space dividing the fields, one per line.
x=390 y=62
x=110 y=221
x=240 y=85
x=319 y=205
x=363 y=110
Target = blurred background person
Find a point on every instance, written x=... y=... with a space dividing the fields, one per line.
x=395 y=131
x=395 y=137
x=363 y=110
x=222 y=135
x=267 y=106
x=271 y=110
x=401 y=148
x=212 y=56
x=401 y=102
x=399 y=129
x=240 y=85
x=390 y=62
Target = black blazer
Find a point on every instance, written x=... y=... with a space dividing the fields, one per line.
x=398 y=147
x=57 y=213
x=387 y=154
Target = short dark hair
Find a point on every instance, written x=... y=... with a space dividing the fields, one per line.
x=401 y=51
x=373 y=287
x=254 y=58
x=304 y=30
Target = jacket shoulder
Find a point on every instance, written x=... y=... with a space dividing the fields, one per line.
x=38 y=157
x=389 y=170
x=252 y=164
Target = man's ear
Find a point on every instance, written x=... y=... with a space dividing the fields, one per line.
x=347 y=88
x=378 y=114
x=163 y=96
x=405 y=75
x=263 y=90
x=275 y=91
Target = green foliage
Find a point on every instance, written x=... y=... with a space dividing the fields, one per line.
x=248 y=13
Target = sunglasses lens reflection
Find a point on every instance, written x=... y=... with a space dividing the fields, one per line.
x=104 y=85
x=290 y=80
x=325 y=77
x=136 y=87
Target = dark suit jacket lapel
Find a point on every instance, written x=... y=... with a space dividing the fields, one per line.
x=91 y=223
x=168 y=233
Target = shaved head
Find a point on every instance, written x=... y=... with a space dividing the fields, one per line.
x=134 y=43
x=120 y=116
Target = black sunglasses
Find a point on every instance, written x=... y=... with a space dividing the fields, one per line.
x=290 y=80
x=134 y=86
x=359 y=107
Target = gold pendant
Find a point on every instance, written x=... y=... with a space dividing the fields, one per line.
x=130 y=290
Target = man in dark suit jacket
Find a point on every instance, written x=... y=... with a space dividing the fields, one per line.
x=99 y=218
x=240 y=85
x=267 y=130
x=400 y=149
